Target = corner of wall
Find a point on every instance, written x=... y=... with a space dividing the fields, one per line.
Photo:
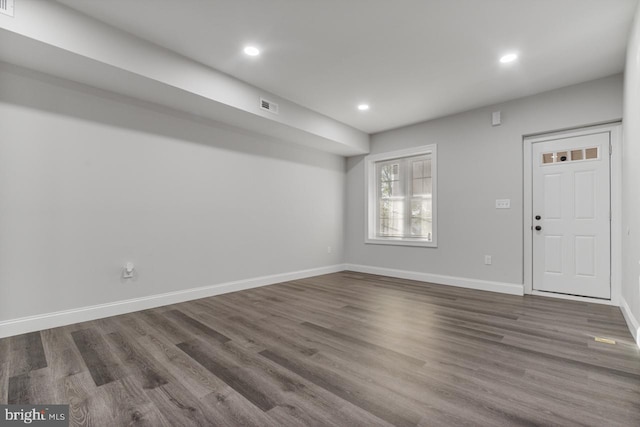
x=632 y=322
x=630 y=300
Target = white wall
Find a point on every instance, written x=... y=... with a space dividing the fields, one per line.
x=631 y=183
x=477 y=164
x=90 y=180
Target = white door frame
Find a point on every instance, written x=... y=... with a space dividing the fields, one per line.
x=615 y=128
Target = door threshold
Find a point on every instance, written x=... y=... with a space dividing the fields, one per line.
x=572 y=297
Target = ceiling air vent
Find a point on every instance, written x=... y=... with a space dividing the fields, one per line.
x=6 y=7
x=271 y=107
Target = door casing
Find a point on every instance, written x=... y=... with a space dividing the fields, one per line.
x=615 y=128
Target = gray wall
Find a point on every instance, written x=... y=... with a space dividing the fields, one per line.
x=631 y=176
x=477 y=164
x=90 y=180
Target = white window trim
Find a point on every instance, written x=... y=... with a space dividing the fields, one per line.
x=371 y=197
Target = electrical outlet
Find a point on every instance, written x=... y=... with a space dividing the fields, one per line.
x=487 y=259
x=329 y=250
x=127 y=271
x=496 y=119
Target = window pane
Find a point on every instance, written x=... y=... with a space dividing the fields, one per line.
x=390 y=185
x=418 y=169
x=421 y=225
x=417 y=188
x=427 y=168
x=547 y=158
x=427 y=186
x=390 y=172
x=395 y=189
x=385 y=189
x=421 y=177
x=391 y=217
x=577 y=155
x=421 y=187
x=591 y=153
x=421 y=168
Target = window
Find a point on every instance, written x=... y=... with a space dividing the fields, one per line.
x=401 y=193
x=570 y=156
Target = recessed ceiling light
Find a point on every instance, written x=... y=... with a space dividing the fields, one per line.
x=363 y=107
x=510 y=57
x=252 y=51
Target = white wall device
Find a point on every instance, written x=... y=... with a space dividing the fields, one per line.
x=127 y=272
x=503 y=203
x=496 y=118
x=270 y=106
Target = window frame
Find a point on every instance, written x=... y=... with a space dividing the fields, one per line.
x=372 y=201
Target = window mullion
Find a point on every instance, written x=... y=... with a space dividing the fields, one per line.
x=407 y=198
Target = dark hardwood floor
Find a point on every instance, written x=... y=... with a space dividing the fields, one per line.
x=344 y=349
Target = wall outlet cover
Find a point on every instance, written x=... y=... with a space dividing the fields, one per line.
x=496 y=118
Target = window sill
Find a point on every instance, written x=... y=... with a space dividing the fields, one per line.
x=401 y=242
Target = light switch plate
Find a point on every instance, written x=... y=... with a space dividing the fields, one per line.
x=503 y=203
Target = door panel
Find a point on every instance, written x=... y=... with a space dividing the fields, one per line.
x=553 y=254
x=553 y=196
x=585 y=195
x=585 y=255
x=571 y=194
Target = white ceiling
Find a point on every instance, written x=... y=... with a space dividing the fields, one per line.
x=412 y=60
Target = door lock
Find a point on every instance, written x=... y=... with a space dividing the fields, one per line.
x=538 y=228
x=538 y=217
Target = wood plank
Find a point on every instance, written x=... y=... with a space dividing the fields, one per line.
x=101 y=363
x=356 y=342
x=236 y=410
x=86 y=406
x=129 y=405
x=4 y=349
x=27 y=354
x=19 y=390
x=4 y=382
x=62 y=355
x=341 y=389
x=259 y=335
x=229 y=375
x=169 y=330
x=196 y=327
x=43 y=388
x=180 y=407
x=141 y=364
x=184 y=369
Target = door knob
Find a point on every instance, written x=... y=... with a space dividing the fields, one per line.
x=538 y=217
x=538 y=228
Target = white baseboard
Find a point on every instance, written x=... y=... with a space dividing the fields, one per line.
x=83 y=314
x=483 y=285
x=632 y=322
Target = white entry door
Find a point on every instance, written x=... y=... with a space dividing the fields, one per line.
x=571 y=215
